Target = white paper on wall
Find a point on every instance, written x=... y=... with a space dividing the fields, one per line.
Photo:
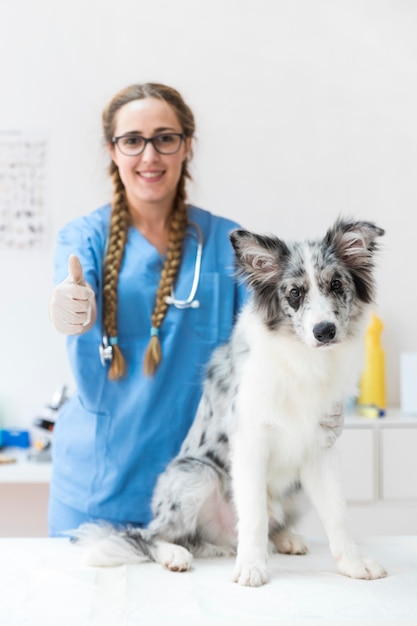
x=22 y=188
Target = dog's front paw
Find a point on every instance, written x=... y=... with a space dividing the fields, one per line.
x=365 y=569
x=250 y=574
x=173 y=557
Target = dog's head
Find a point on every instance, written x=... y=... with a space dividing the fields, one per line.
x=317 y=289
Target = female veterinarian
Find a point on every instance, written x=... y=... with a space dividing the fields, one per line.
x=145 y=292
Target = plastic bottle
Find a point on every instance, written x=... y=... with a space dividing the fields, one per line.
x=372 y=383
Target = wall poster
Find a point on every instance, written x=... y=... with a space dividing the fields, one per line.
x=22 y=189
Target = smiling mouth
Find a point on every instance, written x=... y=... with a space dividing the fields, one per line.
x=151 y=175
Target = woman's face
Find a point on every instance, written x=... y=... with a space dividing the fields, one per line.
x=149 y=178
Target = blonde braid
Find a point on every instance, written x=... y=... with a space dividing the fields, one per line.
x=153 y=355
x=119 y=225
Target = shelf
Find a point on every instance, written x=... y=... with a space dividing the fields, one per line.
x=23 y=470
x=392 y=419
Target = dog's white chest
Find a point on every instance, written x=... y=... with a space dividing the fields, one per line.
x=288 y=448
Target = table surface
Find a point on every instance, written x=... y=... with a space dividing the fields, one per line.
x=44 y=582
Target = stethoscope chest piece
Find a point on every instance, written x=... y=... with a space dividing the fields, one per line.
x=105 y=351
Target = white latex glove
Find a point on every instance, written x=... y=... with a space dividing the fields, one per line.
x=331 y=427
x=72 y=308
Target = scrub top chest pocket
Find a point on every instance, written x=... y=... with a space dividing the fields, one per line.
x=213 y=319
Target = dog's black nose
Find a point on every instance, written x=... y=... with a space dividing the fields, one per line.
x=324 y=332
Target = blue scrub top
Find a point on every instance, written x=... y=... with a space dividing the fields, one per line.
x=113 y=438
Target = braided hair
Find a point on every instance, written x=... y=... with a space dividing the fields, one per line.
x=119 y=225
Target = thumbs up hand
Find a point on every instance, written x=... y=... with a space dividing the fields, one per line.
x=75 y=271
x=72 y=308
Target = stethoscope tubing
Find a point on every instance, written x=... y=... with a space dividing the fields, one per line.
x=190 y=301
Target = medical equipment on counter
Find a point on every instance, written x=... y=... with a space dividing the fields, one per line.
x=15 y=438
x=106 y=348
x=12 y=438
x=47 y=420
x=45 y=423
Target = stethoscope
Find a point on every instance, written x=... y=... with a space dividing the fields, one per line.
x=106 y=348
x=190 y=302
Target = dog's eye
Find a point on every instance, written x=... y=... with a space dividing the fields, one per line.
x=336 y=285
x=295 y=297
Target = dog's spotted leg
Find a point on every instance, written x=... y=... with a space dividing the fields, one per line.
x=331 y=426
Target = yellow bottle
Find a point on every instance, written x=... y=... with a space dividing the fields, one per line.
x=372 y=384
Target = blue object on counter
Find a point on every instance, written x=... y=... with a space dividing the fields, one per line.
x=14 y=437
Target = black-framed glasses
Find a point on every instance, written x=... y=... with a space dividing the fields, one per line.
x=133 y=145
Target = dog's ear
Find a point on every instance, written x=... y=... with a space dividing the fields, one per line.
x=355 y=242
x=259 y=258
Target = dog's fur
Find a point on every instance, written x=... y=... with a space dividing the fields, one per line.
x=268 y=416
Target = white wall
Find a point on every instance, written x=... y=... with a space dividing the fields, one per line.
x=305 y=110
